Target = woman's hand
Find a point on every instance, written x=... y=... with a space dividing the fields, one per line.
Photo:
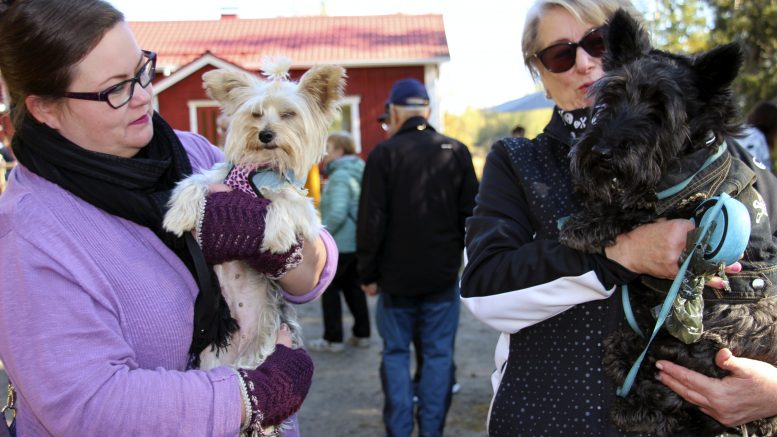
x=370 y=289
x=284 y=335
x=218 y=188
x=278 y=386
x=652 y=249
x=655 y=248
x=717 y=281
x=284 y=339
x=747 y=394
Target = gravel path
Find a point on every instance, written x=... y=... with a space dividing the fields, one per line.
x=346 y=398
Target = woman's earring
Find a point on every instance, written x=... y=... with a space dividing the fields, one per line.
x=547 y=95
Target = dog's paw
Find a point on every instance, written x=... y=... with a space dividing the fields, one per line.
x=279 y=233
x=186 y=205
x=311 y=227
x=188 y=199
x=278 y=240
x=588 y=233
x=289 y=216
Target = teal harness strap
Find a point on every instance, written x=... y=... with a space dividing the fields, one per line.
x=628 y=312
x=671 y=191
x=623 y=391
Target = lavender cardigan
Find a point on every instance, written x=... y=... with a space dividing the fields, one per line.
x=96 y=319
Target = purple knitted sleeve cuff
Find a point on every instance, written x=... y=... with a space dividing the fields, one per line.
x=277 y=388
x=327 y=275
x=275 y=266
x=232 y=226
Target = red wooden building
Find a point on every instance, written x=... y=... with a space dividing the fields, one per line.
x=375 y=50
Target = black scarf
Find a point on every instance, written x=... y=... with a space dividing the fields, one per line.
x=568 y=126
x=136 y=189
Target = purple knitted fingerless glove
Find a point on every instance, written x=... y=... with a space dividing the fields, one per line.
x=278 y=386
x=232 y=228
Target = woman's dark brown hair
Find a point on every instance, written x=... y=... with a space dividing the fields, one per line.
x=764 y=117
x=41 y=41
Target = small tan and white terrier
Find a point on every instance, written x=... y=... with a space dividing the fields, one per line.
x=281 y=127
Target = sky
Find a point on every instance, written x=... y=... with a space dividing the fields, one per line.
x=484 y=37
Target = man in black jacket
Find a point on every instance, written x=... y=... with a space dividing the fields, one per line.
x=418 y=189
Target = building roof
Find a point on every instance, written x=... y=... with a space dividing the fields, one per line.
x=349 y=41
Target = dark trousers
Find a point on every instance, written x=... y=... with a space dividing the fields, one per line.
x=346 y=281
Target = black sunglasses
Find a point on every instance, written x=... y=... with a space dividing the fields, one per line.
x=560 y=57
x=120 y=94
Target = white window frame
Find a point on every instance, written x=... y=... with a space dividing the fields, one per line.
x=193 y=105
x=353 y=102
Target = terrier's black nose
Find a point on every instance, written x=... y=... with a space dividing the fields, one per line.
x=603 y=150
x=266 y=136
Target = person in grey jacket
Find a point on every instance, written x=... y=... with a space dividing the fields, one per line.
x=339 y=208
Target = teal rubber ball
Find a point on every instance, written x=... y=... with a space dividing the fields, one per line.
x=731 y=232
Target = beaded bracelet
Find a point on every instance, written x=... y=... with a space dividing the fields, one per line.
x=255 y=417
x=200 y=218
x=246 y=401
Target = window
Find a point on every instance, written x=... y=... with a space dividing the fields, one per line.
x=348 y=120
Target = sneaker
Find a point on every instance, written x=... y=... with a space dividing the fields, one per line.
x=322 y=345
x=361 y=342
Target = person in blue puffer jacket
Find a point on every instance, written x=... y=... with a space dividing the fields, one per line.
x=339 y=209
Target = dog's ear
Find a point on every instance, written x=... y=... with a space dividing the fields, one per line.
x=229 y=87
x=324 y=86
x=626 y=40
x=717 y=68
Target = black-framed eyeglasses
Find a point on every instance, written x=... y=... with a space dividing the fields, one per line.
x=560 y=57
x=120 y=94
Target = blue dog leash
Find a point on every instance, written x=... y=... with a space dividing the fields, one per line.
x=623 y=391
x=671 y=191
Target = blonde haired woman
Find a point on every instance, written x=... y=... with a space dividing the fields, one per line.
x=554 y=306
x=339 y=208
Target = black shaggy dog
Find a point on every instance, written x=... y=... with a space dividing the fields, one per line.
x=656 y=148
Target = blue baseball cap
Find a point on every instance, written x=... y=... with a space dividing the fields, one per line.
x=408 y=92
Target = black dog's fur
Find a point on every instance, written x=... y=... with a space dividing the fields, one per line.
x=652 y=108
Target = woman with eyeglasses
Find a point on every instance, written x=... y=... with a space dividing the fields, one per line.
x=103 y=313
